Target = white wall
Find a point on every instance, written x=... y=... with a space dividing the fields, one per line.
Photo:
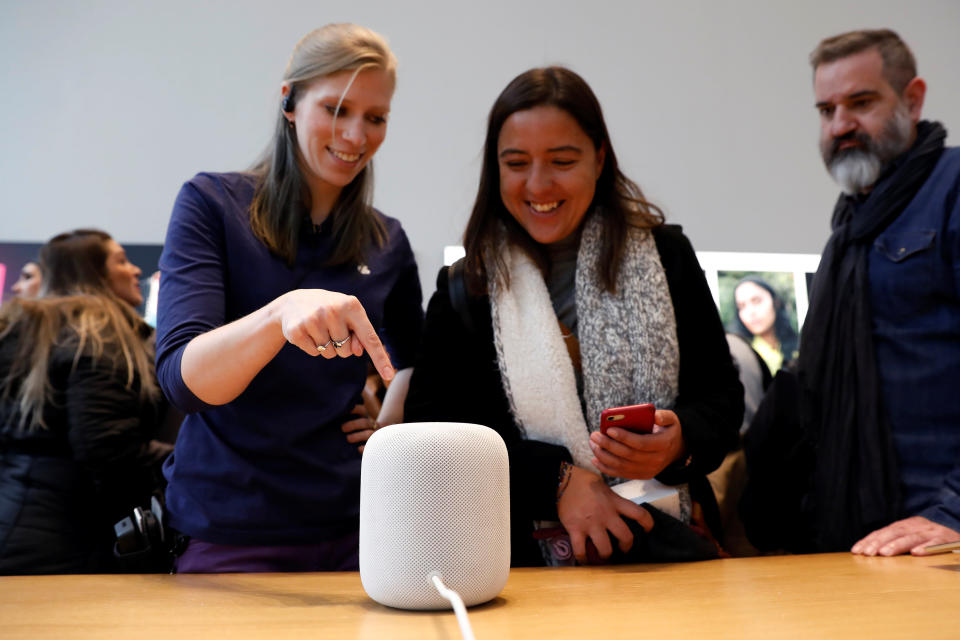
x=108 y=106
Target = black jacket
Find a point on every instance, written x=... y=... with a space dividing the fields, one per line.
x=63 y=488
x=456 y=378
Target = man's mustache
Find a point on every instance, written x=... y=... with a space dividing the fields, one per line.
x=863 y=141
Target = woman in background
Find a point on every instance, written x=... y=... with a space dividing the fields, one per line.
x=29 y=282
x=763 y=321
x=274 y=283
x=578 y=298
x=79 y=409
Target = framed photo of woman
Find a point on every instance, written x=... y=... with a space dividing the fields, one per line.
x=762 y=297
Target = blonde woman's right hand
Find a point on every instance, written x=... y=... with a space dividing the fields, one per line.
x=588 y=508
x=315 y=320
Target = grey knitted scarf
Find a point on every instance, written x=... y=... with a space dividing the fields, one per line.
x=628 y=342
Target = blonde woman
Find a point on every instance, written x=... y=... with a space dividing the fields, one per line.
x=276 y=284
x=79 y=407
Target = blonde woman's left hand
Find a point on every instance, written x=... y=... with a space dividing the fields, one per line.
x=360 y=428
x=625 y=454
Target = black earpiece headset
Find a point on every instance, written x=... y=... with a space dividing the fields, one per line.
x=287 y=104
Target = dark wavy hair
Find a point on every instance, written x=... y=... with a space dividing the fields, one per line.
x=75 y=262
x=782 y=328
x=617 y=199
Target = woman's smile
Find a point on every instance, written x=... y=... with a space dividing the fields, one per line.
x=546 y=207
x=548 y=171
x=349 y=158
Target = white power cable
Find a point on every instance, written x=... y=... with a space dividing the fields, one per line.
x=458 y=607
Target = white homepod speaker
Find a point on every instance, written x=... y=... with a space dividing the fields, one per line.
x=434 y=501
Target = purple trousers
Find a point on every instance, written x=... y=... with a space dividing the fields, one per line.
x=341 y=554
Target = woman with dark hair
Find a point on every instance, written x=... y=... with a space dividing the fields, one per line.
x=763 y=321
x=79 y=408
x=574 y=297
x=29 y=282
x=274 y=283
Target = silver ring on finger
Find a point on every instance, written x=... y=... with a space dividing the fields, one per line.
x=323 y=347
x=338 y=344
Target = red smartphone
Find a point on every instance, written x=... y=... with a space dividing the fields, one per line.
x=636 y=417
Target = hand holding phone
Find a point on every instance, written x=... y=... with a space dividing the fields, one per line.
x=636 y=417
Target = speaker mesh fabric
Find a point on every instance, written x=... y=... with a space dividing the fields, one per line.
x=434 y=499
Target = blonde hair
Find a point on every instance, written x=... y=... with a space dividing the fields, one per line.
x=277 y=211
x=78 y=312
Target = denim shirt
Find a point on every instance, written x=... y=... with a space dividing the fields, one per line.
x=914 y=271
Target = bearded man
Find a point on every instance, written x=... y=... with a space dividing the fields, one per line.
x=876 y=397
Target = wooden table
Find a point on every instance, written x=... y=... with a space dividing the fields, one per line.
x=810 y=597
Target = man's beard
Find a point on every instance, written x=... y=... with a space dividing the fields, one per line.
x=858 y=168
